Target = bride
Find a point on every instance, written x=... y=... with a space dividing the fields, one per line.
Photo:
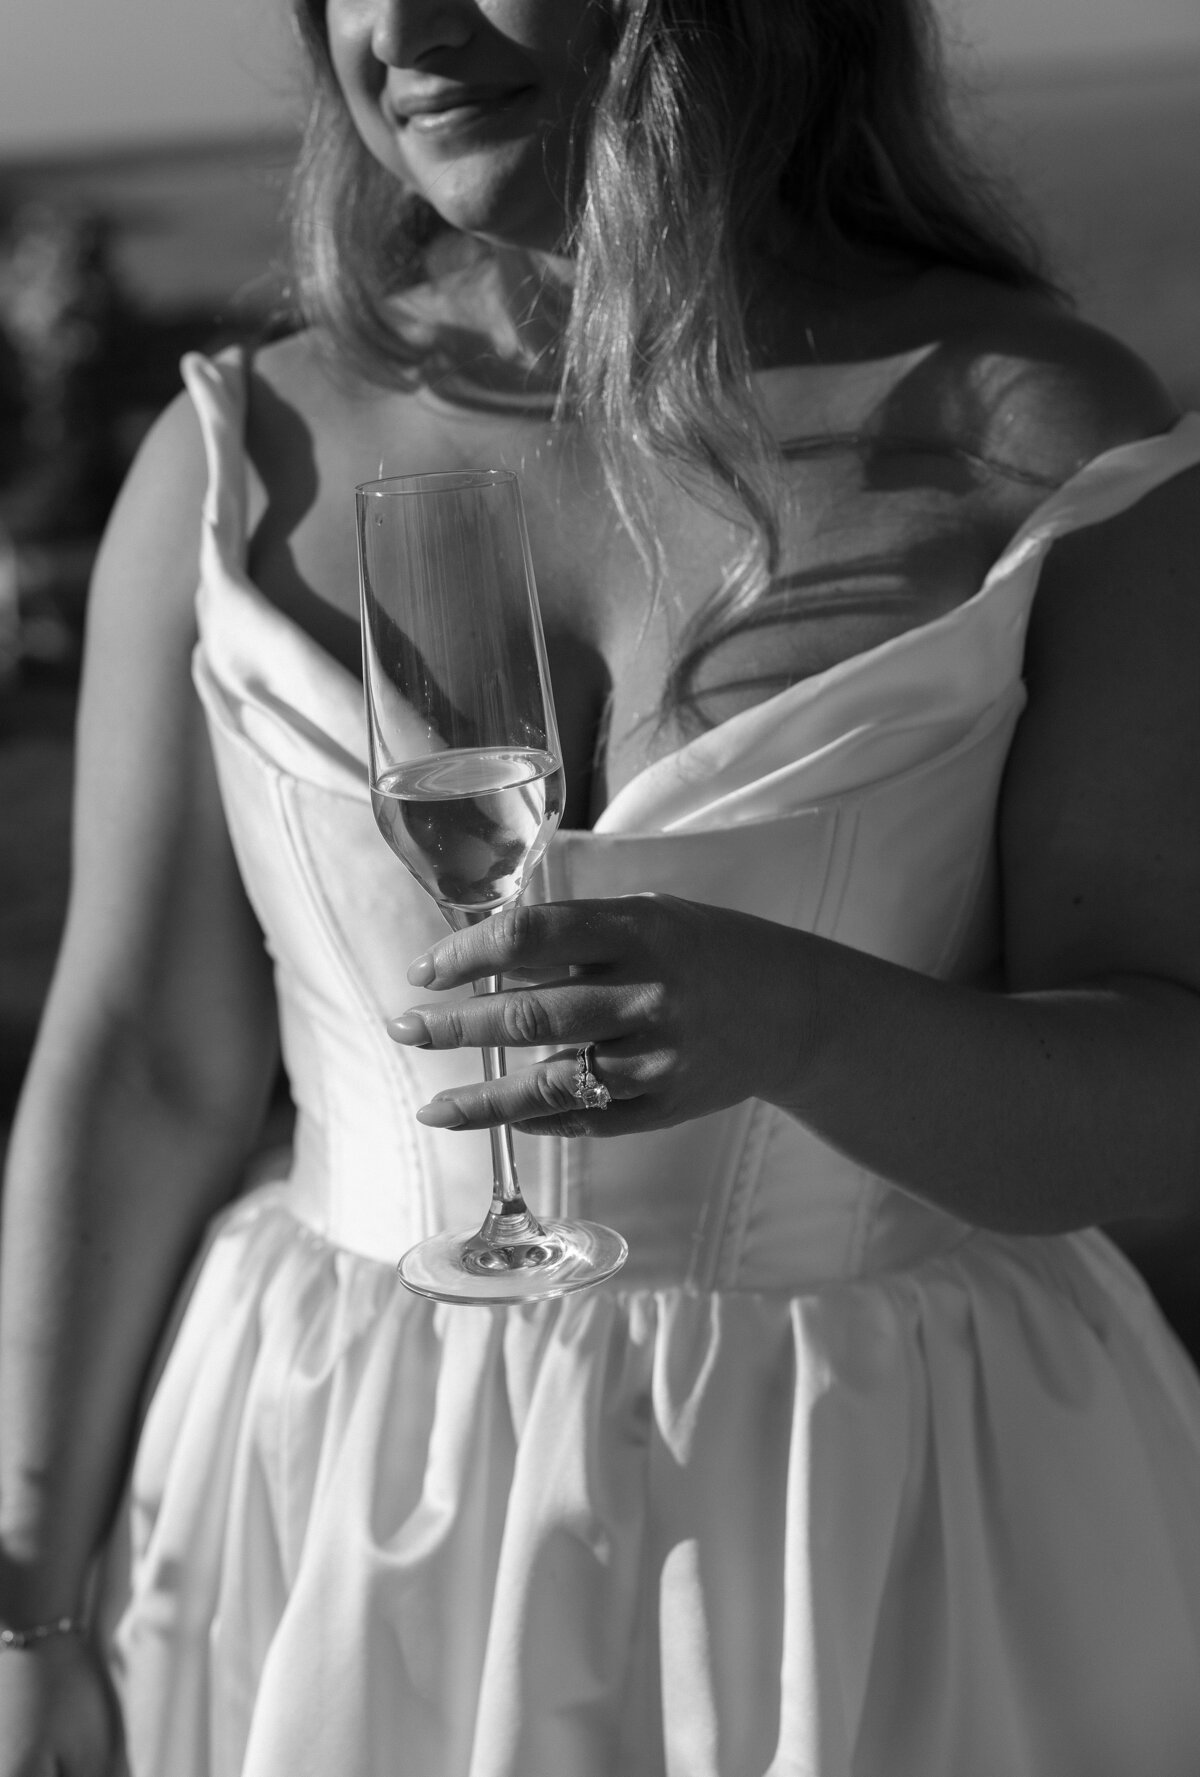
x=867 y=574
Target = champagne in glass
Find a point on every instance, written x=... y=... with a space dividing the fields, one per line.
x=467 y=789
x=470 y=824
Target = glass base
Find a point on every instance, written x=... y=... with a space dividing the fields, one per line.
x=552 y=1259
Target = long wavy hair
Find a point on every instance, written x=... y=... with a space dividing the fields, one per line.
x=715 y=122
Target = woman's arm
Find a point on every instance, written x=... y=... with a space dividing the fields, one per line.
x=1070 y=1099
x=1075 y=1097
x=154 y=1057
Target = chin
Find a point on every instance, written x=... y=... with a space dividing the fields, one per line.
x=501 y=196
x=503 y=225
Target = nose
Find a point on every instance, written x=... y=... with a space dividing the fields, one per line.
x=406 y=32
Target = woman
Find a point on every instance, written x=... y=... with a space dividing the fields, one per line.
x=875 y=896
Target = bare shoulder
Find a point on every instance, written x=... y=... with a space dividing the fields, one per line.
x=298 y=383
x=141 y=614
x=169 y=462
x=314 y=429
x=1045 y=390
x=303 y=370
x=312 y=424
x=296 y=405
x=147 y=560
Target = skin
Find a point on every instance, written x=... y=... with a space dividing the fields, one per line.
x=1068 y=1098
x=495 y=165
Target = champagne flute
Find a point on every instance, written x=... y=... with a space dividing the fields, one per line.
x=467 y=789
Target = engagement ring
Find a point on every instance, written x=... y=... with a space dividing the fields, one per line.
x=592 y=1094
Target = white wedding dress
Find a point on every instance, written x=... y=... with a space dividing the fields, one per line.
x=826 y=1483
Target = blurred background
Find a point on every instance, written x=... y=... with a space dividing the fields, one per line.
x=144 y=151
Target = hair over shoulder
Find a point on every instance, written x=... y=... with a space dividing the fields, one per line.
x=717 y=122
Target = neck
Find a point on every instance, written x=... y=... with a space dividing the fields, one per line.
x=500 y=317
x=529 y=298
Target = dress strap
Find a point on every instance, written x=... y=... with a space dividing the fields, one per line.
x=217 y=387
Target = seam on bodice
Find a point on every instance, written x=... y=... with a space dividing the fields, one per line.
x=394 y=1063
x=726 y=1253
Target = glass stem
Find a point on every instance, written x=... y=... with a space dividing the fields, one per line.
x=508 y=1226
x=506 y=1192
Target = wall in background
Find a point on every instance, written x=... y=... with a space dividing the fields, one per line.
x=77 y=74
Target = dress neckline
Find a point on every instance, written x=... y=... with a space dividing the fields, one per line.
x=1101 y=481
x=724 y=734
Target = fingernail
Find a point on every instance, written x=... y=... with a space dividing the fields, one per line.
x=409 y=1027
x=441 y=1113
x=422 y=971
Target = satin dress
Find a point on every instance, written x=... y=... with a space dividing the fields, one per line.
x=826 y=1483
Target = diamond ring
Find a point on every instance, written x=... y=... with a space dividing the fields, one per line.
x=591 y=1093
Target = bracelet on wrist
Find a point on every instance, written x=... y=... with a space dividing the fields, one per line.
x=34 y=1633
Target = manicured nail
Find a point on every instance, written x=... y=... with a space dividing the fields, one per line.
x=441 y=1113
x=409 y=1027
x=422 y=971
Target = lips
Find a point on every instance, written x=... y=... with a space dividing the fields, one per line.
x=450 y=108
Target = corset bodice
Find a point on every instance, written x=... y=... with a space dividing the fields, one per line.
x=859 y=804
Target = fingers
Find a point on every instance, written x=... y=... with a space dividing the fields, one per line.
x=576 y=972
x=555 y=936
x=541 y=1099
x=529 y=1017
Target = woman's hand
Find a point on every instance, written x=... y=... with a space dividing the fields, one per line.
x=691 y=1008
x=57 y=1713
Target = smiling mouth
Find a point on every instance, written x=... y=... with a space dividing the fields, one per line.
x=445 y=114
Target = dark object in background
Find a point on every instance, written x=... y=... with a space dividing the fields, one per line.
x=62 y=313
x=85 y=365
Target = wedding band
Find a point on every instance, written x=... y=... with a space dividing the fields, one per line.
x=591 y=1093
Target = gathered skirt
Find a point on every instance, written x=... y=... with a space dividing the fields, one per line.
x=943 y=1522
